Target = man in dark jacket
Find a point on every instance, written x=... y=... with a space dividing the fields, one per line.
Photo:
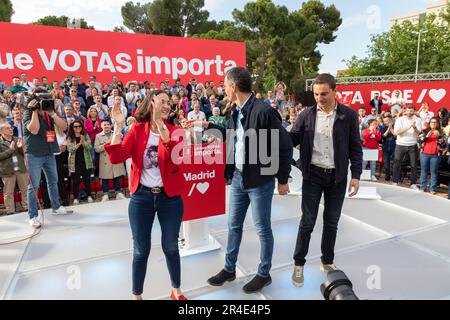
x=12 y=167
x=259 y=151
x=377 y=103
x=328 y=135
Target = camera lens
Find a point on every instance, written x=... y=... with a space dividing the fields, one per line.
x=337 y=287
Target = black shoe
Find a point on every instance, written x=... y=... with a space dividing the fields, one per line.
x=256 y=284
x=220 y=278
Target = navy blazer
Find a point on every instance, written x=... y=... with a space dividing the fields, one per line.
x=258 y=116
x=346 y=141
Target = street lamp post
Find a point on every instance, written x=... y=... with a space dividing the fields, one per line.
x=421 y=20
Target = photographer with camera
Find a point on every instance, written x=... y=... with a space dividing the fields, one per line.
x=40 y=142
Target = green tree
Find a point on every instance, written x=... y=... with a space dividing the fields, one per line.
x=6 y=10
x=135 y=17
x=167 y=17
x=61 y=21
x=281 y=45
x=395 y=51
x=119 y=29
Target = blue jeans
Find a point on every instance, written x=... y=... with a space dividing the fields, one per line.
x=260 y=199
x=142 y=209
x=105 y=185
x=373 y=167
x=429 y=162
x=334 y=194
x=388 y=159
x=35 y=166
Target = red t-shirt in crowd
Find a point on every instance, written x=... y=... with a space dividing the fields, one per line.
x=371 y=139
x=431 y=146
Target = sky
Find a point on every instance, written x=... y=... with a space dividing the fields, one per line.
x=361 y=18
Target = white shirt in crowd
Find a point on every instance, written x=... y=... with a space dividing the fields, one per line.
x=151 y=173
x=197 y=116
x=111 y=101
x=130 y=97
x=408 y=138
x=60 y=139
x=426 y=116
x=396 y=103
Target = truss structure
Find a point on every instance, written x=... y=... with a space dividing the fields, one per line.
x=388 y=78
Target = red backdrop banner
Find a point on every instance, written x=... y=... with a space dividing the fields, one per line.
x=436 y=93
x=204 y=193
x=56 y=52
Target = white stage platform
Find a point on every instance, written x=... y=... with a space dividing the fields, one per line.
x=394 y=248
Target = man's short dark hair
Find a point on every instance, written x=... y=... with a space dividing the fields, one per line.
x=106 y=120
x=241 y=77
x=411 y=107
x=326 y=78
x=362 y=108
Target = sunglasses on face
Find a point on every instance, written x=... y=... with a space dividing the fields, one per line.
x=76 y=127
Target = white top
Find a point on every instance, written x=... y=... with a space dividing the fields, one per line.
x=134 y=98
x=323 y=148
x=197 y=116
x=110 y=101
x=409 y=138
x=426 y=116
x=396 y=102
x=239 y=147
x=60 y=140
x=151 y=174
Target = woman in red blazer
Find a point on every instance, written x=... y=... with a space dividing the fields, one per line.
x=156 y=184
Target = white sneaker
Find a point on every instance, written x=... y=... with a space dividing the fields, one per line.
x=105 y=198
x=120 y=196
x=62 y=211
x=90 y=200
x=414 y=187
x=76 y=202
x=327 y=267
x=373 y=178
x=35 y=223
x=297 y=276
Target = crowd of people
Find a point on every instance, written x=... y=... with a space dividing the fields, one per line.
x=405 y=135
x=74 y=132
x=396 y=129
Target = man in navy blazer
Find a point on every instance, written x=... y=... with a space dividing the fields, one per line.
x=329 y=139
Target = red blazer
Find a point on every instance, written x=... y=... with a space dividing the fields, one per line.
x=134 y=146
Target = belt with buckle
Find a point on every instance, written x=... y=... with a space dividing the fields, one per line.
x=155 y=190
x=323 y=170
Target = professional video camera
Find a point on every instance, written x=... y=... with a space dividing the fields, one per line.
x=337 y=287
x=45 y=101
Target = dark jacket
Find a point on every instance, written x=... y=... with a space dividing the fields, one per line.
x=380 y=104
x=346 y=141
x=258 y=116
x=389 y=142
x=6 y=162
